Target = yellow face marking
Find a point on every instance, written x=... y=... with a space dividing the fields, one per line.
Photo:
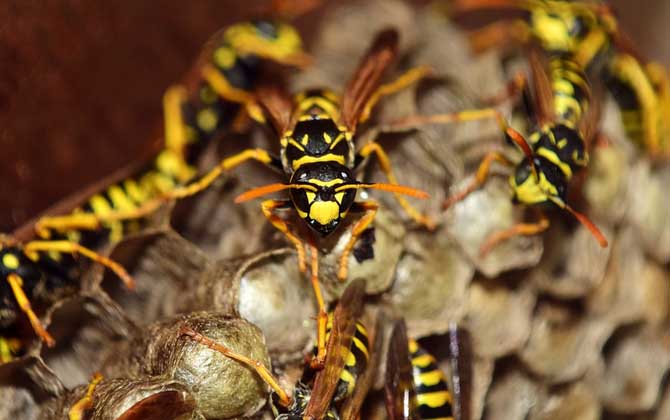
x=304 y=140
x=224 y=57
x=413 y=346
x=207 y=119
x=562 y=143
x=310 y=196
x=324 y=212
x=339 y=197
x=327 y=138
x=10 y=261
x=532 y=191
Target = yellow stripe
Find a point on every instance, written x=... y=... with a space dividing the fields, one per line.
x=434 y=399
x=422 y=361
x=119 y=198
x=350 y=359
x=311 y=159
x=431 y=378
x=553 y=158
x=350 y=380
x=360 y=346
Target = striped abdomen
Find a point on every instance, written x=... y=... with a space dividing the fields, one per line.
x=355 y=362
x=434 y=400
x=571 y=91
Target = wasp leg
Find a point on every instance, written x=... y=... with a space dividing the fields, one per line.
x=319 y=360
x=385 y=164
x=415 y=121
x=175 y=128
x=370 y=209
x=77 y=249
x=78 y=409
x=90 y=221
x=260 y=369
x=629 y=71
x=661 y=80
x=526 y=229
x=590 y=46
x=411 y=76
x=16 y=284
x=480 y=177
x=269 y=207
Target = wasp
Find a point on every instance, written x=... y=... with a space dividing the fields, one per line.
x=347 y=357
x=109 y=210
x=316 y=131
x=39 y=271
x=555 y=149
x=590 y=34
x=416 y=388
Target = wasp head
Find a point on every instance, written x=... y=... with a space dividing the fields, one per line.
x=326 y=198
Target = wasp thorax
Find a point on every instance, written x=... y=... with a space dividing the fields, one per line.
x=324 y=200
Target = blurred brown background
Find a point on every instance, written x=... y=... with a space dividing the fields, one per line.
x=81 y=84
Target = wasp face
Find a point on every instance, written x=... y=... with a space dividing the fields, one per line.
x=326 y=203
x=546 y=184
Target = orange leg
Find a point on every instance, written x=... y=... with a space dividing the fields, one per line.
x=526 y=229
x=269 y=207
x=76 y=249
x=79 y=408
x=370 y=209
x=16 y=284
x=318 y=361
x=256 y=365
x=479 y=179
x=385 y=164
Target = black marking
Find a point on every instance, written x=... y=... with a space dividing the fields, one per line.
x=364 y=249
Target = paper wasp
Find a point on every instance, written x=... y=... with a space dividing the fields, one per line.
x=589 y=33
x=557 y=147
x=318 y=158
x=416 y=388
x=347 y=357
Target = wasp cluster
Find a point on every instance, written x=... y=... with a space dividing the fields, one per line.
x=561 y=328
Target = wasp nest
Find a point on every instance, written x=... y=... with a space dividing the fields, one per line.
x=560 y=327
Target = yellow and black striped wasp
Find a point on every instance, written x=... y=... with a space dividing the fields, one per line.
x=590 y=34
x=416 y=388
x=347 y=357
x=556 y=148
x=34 y=268
x=316 y=130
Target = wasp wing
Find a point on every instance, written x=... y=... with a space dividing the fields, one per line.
x=543 y=95
x=399 y=384
x=347 y=312
x=460 y=356
x=366 y=79
x=277 y=104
